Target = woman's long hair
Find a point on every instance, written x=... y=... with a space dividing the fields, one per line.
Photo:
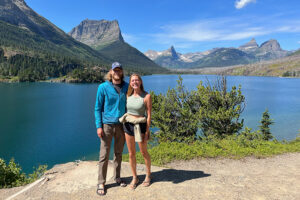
x=108 y=76
x=130 y=89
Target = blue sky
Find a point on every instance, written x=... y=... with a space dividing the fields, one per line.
x=190 y=25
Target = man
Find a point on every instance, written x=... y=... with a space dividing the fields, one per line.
x=110 y=106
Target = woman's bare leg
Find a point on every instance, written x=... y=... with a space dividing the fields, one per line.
x=132 y=160
x=146 y=155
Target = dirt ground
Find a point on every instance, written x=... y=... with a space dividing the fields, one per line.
x=250 y=178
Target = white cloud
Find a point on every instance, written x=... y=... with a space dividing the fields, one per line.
x=208 y=30
x=298 y=42
x=290 y=28
x=129 y=38
x=242 y=3
x=185 y=35
x=243 y=35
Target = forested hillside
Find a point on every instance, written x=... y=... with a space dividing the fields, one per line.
x=31 y=57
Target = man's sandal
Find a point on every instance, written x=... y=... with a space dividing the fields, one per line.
x=120 y=182
x=100 y=190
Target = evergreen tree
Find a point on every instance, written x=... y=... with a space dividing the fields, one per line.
x=180 y=113
x=2 y=58
x=264 y=127
x=174 y=116
x=219 y=110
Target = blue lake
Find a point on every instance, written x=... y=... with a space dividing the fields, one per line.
x=51 y=123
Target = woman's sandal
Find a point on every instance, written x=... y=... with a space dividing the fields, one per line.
x=134 y=185
x=100 y=190
x=146 y=183
x=120 y=182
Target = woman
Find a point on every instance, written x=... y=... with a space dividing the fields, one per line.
x=139 y=105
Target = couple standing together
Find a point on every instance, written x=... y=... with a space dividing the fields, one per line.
x=116 y=99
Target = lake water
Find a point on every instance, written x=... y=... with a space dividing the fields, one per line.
x=51 y=123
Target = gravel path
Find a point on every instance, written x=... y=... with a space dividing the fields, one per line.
x=250 y=178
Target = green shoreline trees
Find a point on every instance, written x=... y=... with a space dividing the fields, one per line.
x=37 y=68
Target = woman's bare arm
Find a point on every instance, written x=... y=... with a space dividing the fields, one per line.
x=148 y=103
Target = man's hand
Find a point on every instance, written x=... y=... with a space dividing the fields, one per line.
x=100 y=132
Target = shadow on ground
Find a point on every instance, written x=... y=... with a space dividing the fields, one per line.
x=168 y=175
x=176 y=176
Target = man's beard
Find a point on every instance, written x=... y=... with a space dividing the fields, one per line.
x=117 y=77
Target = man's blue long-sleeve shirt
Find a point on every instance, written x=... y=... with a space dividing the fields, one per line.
x=110 y=105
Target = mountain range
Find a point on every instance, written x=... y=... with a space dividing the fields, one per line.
x=219 y=57
x=32 y=48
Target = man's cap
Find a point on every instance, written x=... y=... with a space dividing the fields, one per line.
x=115 y=65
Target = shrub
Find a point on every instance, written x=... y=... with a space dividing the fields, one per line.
x=11 y=174
x=247 y=134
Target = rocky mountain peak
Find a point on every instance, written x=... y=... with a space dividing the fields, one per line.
x=270 y=45
x=172 y=48
x=172 y=52
x=252 y=41
x=18 y=1
x=249 y=46
x=97 y=32
x=18 y=13
x=152 y=54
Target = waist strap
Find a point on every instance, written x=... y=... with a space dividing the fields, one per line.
x=134 y=120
